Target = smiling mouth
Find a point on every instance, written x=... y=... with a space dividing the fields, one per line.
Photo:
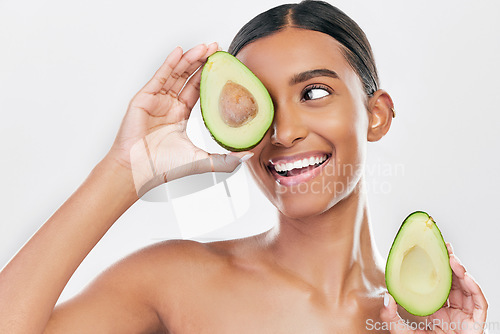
x=298 y=167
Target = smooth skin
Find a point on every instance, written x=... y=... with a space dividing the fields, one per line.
x=317 y=271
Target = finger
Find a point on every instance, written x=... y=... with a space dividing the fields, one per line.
x=213 y=162
x=160 y=77
x=467 y=305
x=449 y=247
x=245 y=155
x=191 y=92
x=389 y=315
x=457 y=297
x=189 y=62
x=212 y=48
x=228 y=162
x=190 y=70
x=479 y=300
x=457 y=266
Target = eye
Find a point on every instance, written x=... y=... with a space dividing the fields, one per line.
x=315 y=92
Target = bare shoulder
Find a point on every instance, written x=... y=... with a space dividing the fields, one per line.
x=170 y=268
x=180 y=258
x=161 y=264
x=138 y=293
x=180 y=255
x=160 y=267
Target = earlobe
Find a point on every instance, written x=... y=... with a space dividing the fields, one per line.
x=380 y=113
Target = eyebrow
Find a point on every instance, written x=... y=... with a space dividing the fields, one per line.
x=304 y=76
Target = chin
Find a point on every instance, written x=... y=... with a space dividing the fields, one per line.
x=302 y=205
x=300 y=209
x=293 y=203
x=307 y=199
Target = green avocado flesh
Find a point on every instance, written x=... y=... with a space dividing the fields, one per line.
x=236 y=107
x=418 y=273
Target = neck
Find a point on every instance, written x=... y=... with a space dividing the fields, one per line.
x=333 y=252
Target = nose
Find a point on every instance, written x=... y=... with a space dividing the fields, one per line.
x=288 y=127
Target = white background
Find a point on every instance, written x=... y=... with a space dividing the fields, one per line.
x=68 y=70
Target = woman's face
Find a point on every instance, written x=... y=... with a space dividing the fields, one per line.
x=320 y=111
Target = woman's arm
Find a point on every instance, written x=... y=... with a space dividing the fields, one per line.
x=150 y=148
x=33 y=280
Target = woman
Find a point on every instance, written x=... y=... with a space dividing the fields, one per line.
x=317 y=271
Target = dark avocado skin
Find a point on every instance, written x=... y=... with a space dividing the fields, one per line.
x=399 y=230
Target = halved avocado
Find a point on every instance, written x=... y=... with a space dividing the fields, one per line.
x=418 y=273
x=236 y=107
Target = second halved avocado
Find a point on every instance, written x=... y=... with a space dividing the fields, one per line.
x=236 y=107
x=418 y=273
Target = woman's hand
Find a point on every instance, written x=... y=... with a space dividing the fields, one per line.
x=152 y=140
x=464 y=312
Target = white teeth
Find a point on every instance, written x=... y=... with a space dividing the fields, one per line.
x=299 y=163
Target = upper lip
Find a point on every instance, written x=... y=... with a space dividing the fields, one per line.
x=296 y=157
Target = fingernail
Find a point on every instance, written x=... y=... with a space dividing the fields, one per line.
x=200 y=47
x=458 y=260
x=467 y=273
x=451 y=247
x=386 y=299
x=246 y=157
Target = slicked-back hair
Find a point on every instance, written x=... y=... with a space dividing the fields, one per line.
x=316 y=16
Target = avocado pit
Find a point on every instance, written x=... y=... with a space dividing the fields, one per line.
x=237 y=106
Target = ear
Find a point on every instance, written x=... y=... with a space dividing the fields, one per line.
x=380 y=114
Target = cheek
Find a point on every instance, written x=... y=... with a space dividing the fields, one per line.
x=347 y=134
x=342 y=128
x=341 y=131
x=259 y=172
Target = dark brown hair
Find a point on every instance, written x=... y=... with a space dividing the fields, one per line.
x=317 y=16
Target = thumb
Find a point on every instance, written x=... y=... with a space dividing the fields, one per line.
x=389 y=315
x=228 y=162
x=213 y=163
